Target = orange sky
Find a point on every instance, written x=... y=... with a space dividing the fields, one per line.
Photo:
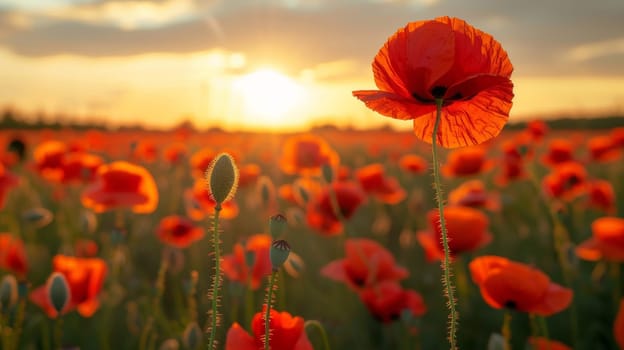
x=284 y=65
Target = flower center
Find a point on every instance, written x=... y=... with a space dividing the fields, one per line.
x=510 y=304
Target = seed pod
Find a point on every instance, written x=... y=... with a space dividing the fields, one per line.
x=279 y=253
x=277 y=225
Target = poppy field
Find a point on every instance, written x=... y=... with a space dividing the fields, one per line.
x=460 y=234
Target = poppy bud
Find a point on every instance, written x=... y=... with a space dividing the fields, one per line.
x=8 y=292
x=301 y=192
x=294 y=265
x=279 y=253
x=192 y=336
x=277 y=225
x=266 y=190
x=58 y=292
x=328 y=173
x=222 y=178
x=38 y=217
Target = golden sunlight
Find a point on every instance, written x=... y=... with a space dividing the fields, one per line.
x=268 y=96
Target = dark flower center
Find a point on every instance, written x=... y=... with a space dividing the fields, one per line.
x=510 y=304
x=438 y=91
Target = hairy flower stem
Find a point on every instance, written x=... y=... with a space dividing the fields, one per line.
x=321 y=330
x=506 y=330
x=216 y=285
x=267 y=315
x=449 y=289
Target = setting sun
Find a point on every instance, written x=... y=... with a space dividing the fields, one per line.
x=267 y=97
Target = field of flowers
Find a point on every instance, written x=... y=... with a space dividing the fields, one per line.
x=106 y=240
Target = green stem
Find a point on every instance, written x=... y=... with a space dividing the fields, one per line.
x=58 y=333
x=267 y=315
x=321 y=329
x=544 y=326
x=446 y=266
x=506 y=330
x=617 y=289
x=214 y=316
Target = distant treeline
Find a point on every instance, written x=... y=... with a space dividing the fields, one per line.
x=10 y=119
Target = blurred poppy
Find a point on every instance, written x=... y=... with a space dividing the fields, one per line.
x=300 y=191
x=248 y=175
x=86 y=248
x=607 y=240
x=618 y=326
x=602 y=149
x=200 y=161
x=178 y=231
x=175 y=153
x=321 y=214
x=287 y=333
x=617 y=136
x=511 y=166
x=413 y=164
x=601 y=196
x=472 y=194
x=306 y=154
x=344 y=173
x=387 y=300
x=373 y=180
x=199 y=203
x=13 y=255
x=467 y=231
x=448 y=59
x=537 y=129
x=566 y=181
x=7 y=181
x=466 y=162
x=80 y=167
x=238 y=266
x=366 y=263
x=121 y=184
x=85 y=277
x=559 y=151
x=48 y=157
x=539 y=343
x=516 y=286
x=145 y=152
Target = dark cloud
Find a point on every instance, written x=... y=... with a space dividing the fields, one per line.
x=537 y=34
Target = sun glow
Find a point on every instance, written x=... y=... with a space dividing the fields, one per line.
x=267 y=98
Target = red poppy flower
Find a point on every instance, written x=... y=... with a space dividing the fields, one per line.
x=178 y=232
x=121 y=184
x=235 y=266
x=537 y=129
x=300 y=191
x=199 y=203
x=13 y=254
x=517 y=286
x=466 y=162
x=512 y=163
x=48 y=158
x=344 y=173
x=365 y=264
x=373 y=180
x=248 y=175
x=200 y=161
x=601 y=195
x=7 y=181
x=559 y=151
x=320 y=213
x=175 y=153
x=80 y=167
x=287 y=333
x=145 y=152
x=603 y=149
x=607 y=240
x=472 y=194
x=617 y=135
x=445 y=58
x=413 y=164
x=85 y=248
x=85 y=277
x=566 y=181
x=387 y=300
x=539 y=343
x=467 y=231
x=306 y=154
x=618 y=326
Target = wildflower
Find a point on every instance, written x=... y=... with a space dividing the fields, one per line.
x=13 y=254
x=366 y=263
x=178 y=231
x=539 y=343
x=446 y=59
x=306 y=154
x=516 y=286
x=387 y=300
x=413 y=164
x=373 y=180
x=321 y=215
x=236 y=267
x=559 y=151
x=287 y=333
x=607 y=241
x=472 y=194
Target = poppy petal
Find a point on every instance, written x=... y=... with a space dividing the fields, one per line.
x=238 y=339
x=589 y=250
x=470 y=122
x=557 y=299
x=393 y=105
x=336 y=271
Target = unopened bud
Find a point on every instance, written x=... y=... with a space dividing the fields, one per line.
x=8 y=292
x=58 y=292
x=192 y=336
x=222 y=178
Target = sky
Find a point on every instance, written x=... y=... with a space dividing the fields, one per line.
x=284 y=64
